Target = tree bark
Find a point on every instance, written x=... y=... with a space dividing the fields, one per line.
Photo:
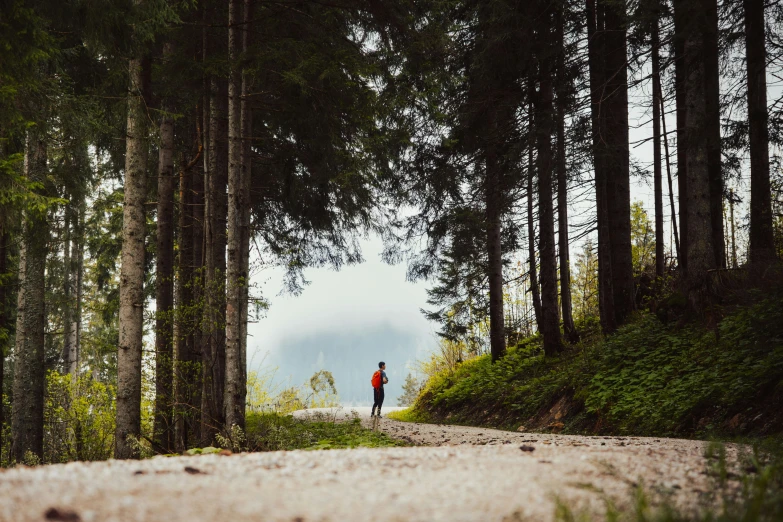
x=733 y=236
x=213 y=331
x=4 y=284
x=493 y=201
x=550 y=320
x=77 y=290
x=29 y=373
x=562 y=188
x=710 y=60
x=682 y=145
x=657 y=171
x=531 y=226
x=183 y=355
x=618 y=187
x=669 y=171
x=247 y=129
x=163 y=427
x=701 y=249
x=762 y=243
x=237 y=200
x=67 y=311
x=596 y=56
x=131 y=313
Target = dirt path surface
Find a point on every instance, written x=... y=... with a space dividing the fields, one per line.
x=461 y=474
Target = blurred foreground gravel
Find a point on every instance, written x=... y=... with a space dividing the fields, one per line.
x=461 y=474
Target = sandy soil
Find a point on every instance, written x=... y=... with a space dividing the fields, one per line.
x=457 y=474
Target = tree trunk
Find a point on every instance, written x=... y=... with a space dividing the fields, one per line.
x=163 y=428
x=733 y=236
x=596 y=56
x=700 y=252
x=131 y=313
x=247 y=129
x=618 y=187
x=77 y=291
x=183 y=357
x=4 y=284
x=709 y=57
x=494 y=195
x=531 y=227
x=682 y=145
x=762 y=243
x=562 y=189
x=29 y=372
x=67 y=310
x=237 y=200
x=214 y=361
x=550 y=320
x=669 y=171
x=657 y=173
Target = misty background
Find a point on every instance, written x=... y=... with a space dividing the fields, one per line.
x=345 y=322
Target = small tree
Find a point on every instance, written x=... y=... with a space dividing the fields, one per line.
x=642 y=240
x=411 y=389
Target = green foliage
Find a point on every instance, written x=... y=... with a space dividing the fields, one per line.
x=409 y=415
x=273 y=432
x=663 y=380
x=264 y=395
x=79 y=418
x=411 y=389
x=642 y=240
x=649 y=378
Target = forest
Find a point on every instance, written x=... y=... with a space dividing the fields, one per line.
x=154 y=152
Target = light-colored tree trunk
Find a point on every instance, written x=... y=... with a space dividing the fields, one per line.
x=28 y=386
x=67 y=308
x=131 y=312
x=531 y=223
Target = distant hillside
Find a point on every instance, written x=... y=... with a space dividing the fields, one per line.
x=352 y=357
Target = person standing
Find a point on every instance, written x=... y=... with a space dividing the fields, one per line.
x=378 y=380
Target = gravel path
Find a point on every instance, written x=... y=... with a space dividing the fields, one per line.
x=459 y=474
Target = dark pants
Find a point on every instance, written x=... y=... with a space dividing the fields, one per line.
x=378 y=397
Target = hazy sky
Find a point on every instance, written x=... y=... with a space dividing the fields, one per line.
x=348 y=307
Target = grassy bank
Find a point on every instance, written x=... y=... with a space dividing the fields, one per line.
x=274 y=432
x=649 y=378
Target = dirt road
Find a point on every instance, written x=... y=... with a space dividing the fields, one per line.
x=459 y=474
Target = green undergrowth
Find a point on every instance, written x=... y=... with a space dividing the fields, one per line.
x=274 y=432
x=649 y=378
x=409 y=415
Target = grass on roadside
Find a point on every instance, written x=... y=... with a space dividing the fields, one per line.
x=409 y=415
x=276 y=432
x=751 y=491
